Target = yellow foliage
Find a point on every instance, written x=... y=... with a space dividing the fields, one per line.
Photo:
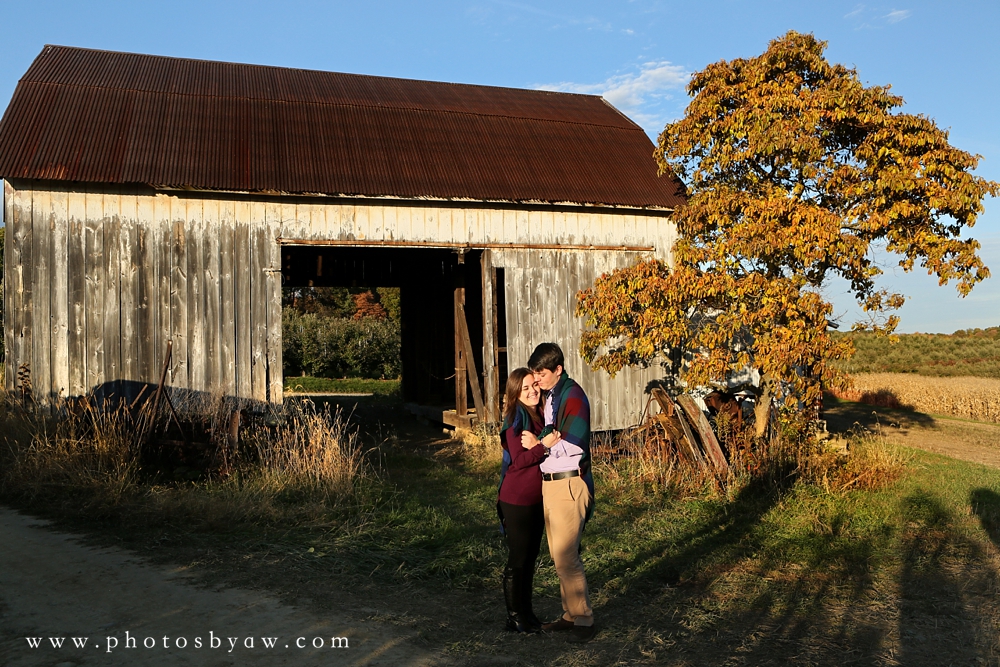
x=794 y=168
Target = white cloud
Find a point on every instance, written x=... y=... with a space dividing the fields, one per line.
x=857 y=10
x=639 y=95
x=874 y=18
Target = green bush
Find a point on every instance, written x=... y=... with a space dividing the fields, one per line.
x=335 y=347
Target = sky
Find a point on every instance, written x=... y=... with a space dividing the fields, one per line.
x=943 y=58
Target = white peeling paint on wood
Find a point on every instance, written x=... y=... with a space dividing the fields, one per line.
x=124 y=272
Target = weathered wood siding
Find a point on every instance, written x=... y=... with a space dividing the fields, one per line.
x=98 y=279
x=541 y=288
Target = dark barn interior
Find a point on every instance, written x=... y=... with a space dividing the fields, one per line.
x=430 y=281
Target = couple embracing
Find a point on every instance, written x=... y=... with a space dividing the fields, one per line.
x=546 y=482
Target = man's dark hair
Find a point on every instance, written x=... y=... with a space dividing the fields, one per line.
x=547 y=356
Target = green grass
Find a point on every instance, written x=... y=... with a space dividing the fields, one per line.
x=785 y=562
x=341 y=386
x=778 y=573
x=974 y=352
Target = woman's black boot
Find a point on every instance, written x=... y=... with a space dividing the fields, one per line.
x=527 y=588
x=513 y=587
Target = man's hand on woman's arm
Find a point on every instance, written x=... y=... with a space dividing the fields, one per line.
x=529 y=439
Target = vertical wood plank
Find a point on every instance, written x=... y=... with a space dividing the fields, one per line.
x=389 y=227
x=490 y=380
x=212 y=293
x=243 y=278
x=227 y=298
x=128 y=290
x=143 y=253
x=17 y=255
x=163 y=248
x=94 y=267
x=259 y=258
x=179 y=251
x=60 y=293
x=273 y=283
x=362 y=222
x=112 y=294
x=461 y=399
x=508 y=231
x=195 y=294
x=40 y=270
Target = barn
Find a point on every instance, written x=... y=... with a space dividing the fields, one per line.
x=150 y=199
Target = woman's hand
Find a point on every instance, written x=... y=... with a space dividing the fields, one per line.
x=551 y=439
x=528 y=439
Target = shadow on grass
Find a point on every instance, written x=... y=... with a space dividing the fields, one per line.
x=934 y=624
x=985 y=504
x=751 y=591
x=717 y=589
x=842 y=416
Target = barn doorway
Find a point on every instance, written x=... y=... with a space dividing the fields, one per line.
x=441 y=362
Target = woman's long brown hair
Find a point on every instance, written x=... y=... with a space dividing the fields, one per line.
x=512 y=393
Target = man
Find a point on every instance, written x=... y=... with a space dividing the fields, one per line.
x=567 y=486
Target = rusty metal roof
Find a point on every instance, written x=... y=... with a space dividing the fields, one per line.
x=122 y=118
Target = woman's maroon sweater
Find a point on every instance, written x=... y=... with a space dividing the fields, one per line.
x=522 y=485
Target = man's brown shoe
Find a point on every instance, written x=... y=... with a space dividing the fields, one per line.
x=581 y=634
x=562 y=625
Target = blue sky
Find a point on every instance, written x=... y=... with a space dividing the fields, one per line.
x=943 y=58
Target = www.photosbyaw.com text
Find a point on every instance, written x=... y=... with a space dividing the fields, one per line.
x=212 y=642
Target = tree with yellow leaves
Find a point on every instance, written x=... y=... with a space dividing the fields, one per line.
x=794 y=170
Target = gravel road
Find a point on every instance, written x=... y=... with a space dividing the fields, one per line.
x=54 y=588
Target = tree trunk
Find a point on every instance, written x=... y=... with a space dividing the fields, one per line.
x=762 y=409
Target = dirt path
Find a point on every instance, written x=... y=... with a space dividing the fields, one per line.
x=978 y=442
x=51 y=586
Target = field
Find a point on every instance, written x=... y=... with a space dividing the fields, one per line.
x=972 y=352
x=976 y=398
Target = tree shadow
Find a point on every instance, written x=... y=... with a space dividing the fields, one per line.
x=843 y=416
x=985 y=504
x=776 y=618
x=937 y=579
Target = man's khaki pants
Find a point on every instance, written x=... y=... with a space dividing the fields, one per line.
x=566 y=502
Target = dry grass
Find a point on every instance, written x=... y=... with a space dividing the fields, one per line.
x=312 y=452
x=967 y=397
x=301 y=461
x=865 y=461
x=868 y=462
x=84 y=449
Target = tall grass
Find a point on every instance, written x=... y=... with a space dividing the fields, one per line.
x=297 y=463
x=313 y=453
x=83 y=449
x=790 y=452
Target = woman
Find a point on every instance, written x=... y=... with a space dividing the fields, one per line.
x=520 y=499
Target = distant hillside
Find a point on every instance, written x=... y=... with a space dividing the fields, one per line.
x=973 y=352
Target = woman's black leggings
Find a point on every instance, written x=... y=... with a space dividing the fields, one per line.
x=524 y=525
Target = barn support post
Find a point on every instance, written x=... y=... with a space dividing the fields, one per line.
x=461 y=399
x=490 y=351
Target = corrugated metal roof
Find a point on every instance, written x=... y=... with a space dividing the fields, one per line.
x=107 y=117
